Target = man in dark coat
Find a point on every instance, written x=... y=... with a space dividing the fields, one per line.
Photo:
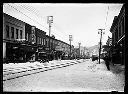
x=107 y=61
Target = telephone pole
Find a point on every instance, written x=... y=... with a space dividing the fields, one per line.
x=49 y=21
x=79 y=49
x=70 y=39
x=101 y=32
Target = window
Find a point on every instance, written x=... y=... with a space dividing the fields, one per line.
x=17 y=33
x=38 y=41
x=46 y=43
x=119 y=30
x=27 y=36
x=7 y=31
x=21 y=34
x=12 y=31
x=42 y=41
x=123 y=26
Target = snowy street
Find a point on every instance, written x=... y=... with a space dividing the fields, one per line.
x=16 y=70
x=86 y=76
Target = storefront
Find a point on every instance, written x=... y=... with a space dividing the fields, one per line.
x=121 y=44
x=19 y=52
x=41 y=53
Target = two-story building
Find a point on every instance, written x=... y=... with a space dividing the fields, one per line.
x=40 y=40
x=13 y=34
x=23 y=42
x=118 y=37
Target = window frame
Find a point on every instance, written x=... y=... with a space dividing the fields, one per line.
x=21 y=34
x=17 y=33
x=7 y=31
x=12 y=34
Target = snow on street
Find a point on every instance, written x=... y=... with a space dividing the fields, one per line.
x=87 y=76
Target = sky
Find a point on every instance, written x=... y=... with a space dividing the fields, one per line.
x=81 y=20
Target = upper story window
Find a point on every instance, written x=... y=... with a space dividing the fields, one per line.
x=120 y=30
x=38 y=41
x=17 y=30
x=27 y=36
x=123 y=26
x=42 y=41
x=46 y=43
x=7 y=31
x=12 y=31
x=21 y=34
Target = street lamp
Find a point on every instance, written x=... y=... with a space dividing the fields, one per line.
x=49 y=21
x=101 y=32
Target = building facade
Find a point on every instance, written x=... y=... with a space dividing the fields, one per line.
x=118 y=37
x=40 y=41
x=13 y=35
x=23 y=42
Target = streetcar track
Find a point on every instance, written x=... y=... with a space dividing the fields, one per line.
x=58 y=66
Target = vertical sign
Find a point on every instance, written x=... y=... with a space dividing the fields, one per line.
x=33 y=37
x=70 y=37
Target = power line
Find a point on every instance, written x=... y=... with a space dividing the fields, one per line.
x=31 y=10
x=106 y=16
x=60 y=30
x=30 y=18
x=40 y=16
x=27 y=16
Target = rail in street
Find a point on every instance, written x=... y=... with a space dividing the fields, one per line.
x=12 y=73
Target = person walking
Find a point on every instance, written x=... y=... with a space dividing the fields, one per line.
x=107 y=62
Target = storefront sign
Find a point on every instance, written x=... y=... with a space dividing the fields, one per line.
x=33 y=37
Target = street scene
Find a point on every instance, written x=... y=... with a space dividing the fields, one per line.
x=52 y=47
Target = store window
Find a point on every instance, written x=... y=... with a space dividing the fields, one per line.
x=12 y=31
x=7 y=31
x=17 y=30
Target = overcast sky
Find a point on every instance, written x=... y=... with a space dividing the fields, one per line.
x=82 y=20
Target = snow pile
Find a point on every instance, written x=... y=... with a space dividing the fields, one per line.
x=95 y=66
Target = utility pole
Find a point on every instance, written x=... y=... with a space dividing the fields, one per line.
x=79 y=49
x=70 y=39
x=84 y=52
x=101 y=32
x=49 y=21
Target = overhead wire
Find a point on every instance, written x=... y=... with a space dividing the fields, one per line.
x=106 y=16
x=27 y=16
x=31 y=10
x=35 y=20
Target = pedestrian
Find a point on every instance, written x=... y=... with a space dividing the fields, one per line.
x=106 y=59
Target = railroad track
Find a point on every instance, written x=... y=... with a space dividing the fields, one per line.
x=13 y=73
